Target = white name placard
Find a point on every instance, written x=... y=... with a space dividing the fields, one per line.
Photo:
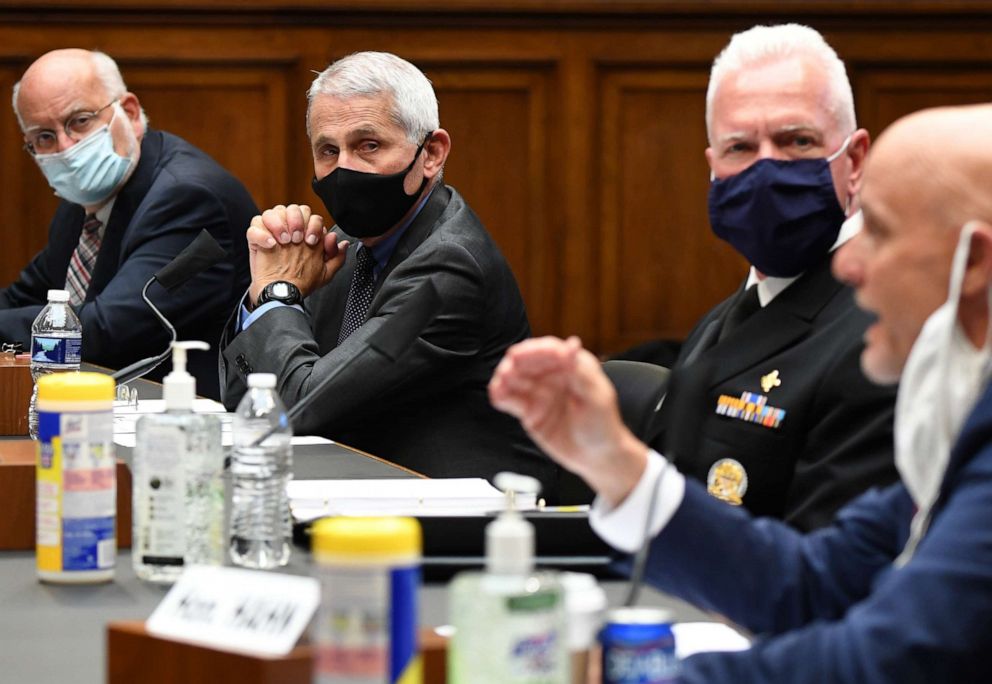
x=231 y=609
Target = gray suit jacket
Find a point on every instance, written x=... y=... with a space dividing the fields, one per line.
x=429 y=411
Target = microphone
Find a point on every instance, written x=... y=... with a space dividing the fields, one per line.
x=391 y=340
x=199 y=255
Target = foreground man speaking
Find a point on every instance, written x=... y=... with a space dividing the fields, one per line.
x=899 y=588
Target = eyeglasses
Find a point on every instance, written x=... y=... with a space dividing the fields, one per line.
x=76 y=127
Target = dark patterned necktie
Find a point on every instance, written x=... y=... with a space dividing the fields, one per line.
x=360 y=294
x=746 y=304
x=77 y=279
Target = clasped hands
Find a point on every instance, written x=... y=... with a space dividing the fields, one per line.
x=292 y=243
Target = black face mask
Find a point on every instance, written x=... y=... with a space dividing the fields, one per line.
x=366 y=205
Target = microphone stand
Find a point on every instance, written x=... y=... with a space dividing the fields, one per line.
x=143 y=366
x=202 y=253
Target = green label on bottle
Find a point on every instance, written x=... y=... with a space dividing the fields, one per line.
x=539 y=601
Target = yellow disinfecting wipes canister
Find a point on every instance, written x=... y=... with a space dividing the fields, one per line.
x=76 y=497
x=369 y=570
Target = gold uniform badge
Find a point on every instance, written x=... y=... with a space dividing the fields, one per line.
x=770 y=381
x=727 y=481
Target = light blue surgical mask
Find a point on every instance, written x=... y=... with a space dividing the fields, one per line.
x=88 y=172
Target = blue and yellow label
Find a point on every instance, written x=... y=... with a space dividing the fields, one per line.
x=76 y=492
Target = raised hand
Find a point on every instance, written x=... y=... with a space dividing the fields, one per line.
x=568 y=406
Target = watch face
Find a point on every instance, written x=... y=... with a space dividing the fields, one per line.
x=280 y=291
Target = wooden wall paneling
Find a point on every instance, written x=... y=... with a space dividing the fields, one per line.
x=20 y=198
x=236 y=112
x=884 y=94
x=27 y=199
x=579 y=236
x=578 y=127
x=497 y=117
x=662 y=266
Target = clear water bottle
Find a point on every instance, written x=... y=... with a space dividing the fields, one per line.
x=261 y=528
x=56 y=345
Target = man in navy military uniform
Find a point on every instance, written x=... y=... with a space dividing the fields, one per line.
x=767 y=403
x=899 y=587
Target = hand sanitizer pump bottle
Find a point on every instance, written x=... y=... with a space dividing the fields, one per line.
x=178 y=501
x=510 y=621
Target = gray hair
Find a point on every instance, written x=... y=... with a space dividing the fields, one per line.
x=367 y=74
x=107 y=73
x=763 y=44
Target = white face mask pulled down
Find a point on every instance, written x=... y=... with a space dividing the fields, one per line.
x=939 y=387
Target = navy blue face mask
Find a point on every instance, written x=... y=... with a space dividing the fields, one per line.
x=366 y=205
x=781 y=215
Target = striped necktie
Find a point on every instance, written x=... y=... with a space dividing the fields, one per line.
x=360 y=294
x=77 y=279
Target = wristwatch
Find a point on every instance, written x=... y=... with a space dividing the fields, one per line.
x=280 y=291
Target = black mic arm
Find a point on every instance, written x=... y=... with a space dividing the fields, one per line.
x=143 y=366
x=391 y=340
x=202 y=253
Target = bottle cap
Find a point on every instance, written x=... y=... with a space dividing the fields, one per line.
x=58 y=295
x=262 y=380
x=76 y=387
x=367 y=538
x=510 y=538
x=179 y=387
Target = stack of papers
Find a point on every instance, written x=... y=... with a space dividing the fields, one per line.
x=126 y=419
x=312 y=499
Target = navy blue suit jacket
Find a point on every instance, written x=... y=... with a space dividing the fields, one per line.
x=829 y=606
x=175 y=191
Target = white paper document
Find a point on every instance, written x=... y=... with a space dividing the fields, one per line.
x=311 y=499
x=126 y=420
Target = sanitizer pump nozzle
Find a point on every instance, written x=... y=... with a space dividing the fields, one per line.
x=179 y=387
x=510 y=538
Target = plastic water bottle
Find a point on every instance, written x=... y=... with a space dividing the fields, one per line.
x=56 y=345
x=260 y=522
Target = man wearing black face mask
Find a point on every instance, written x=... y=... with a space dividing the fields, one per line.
x=767 y=404
x=317 y=296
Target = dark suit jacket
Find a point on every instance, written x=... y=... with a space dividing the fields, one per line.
x=830 y=605
x=175 y=191
x=835 y=440
x=429 y=411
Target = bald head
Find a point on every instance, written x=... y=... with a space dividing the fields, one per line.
x=943 y=159
x=67 y=78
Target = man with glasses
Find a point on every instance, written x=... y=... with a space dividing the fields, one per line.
x=132 y=199
x=767 y=404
